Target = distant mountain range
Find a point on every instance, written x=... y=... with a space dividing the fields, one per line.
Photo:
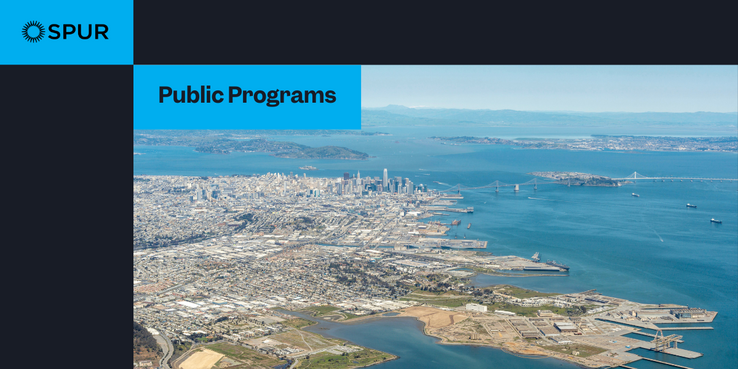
x=403 y=116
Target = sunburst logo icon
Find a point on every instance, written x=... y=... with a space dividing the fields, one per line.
x=33 y=31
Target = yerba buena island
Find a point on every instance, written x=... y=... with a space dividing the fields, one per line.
x=236 y=271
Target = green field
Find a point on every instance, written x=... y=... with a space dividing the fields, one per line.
x=321 y=310
x=325 y=360
x=448 y=299
x=302 y=339
x=528 y=311
x=521 y=293
x=584 y=350
x=350 y=316
x=248 y=358
x=440 y=302
x=298 y=323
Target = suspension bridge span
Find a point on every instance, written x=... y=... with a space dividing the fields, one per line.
x=635 y=176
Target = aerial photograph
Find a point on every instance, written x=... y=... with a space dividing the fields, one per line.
x=485 y=216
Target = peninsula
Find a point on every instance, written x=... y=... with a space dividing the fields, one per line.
x=605 y=142
x=215 y=258
x=223 y=144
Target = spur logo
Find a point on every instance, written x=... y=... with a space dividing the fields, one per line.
x=34 y=31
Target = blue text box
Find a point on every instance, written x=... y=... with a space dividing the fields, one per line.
x=340 y=109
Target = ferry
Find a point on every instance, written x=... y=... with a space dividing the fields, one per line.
x=635 y=195
x=691 y=206
x=713 y=220
x=309 y=167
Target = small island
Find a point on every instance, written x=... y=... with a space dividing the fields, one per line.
x=579 y=179
x=324 y=152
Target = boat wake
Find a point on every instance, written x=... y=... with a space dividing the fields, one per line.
x=538 y=198
x=651 y=228
x=657 y=233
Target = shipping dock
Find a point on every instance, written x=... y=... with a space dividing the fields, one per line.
x=448 y=244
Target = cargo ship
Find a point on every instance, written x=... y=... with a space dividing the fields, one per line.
x=635 y=195
x=456 y=222
x=691 y=206
x=713 y=220
x=541 y=269
x=558 y=265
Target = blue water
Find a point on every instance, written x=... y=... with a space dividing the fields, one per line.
x=404 y=337
x=650 y=249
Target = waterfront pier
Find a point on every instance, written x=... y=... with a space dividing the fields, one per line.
x=667 y=363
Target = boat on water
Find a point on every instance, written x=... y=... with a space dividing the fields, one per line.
x=469 y=226
x=456 y=222
x=558 y=265
x=309 y=167
x=541 y=269
x=635 y=195
x=691 y=206
x=713 y=220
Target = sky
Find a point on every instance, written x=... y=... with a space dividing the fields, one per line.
x=633 y=88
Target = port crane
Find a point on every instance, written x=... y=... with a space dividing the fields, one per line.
x=662 y=343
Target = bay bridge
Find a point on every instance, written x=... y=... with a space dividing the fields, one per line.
x=635 y=176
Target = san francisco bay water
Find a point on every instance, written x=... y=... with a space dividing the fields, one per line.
x=649 y=249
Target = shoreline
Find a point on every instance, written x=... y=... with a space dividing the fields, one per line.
x=521 y=276
x=443 y=341
x=508 y=350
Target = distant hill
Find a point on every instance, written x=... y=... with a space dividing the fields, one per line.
x=144 y=344
x=212 y=142
x=404 y=116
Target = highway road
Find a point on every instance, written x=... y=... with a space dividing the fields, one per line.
x=166 y=346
